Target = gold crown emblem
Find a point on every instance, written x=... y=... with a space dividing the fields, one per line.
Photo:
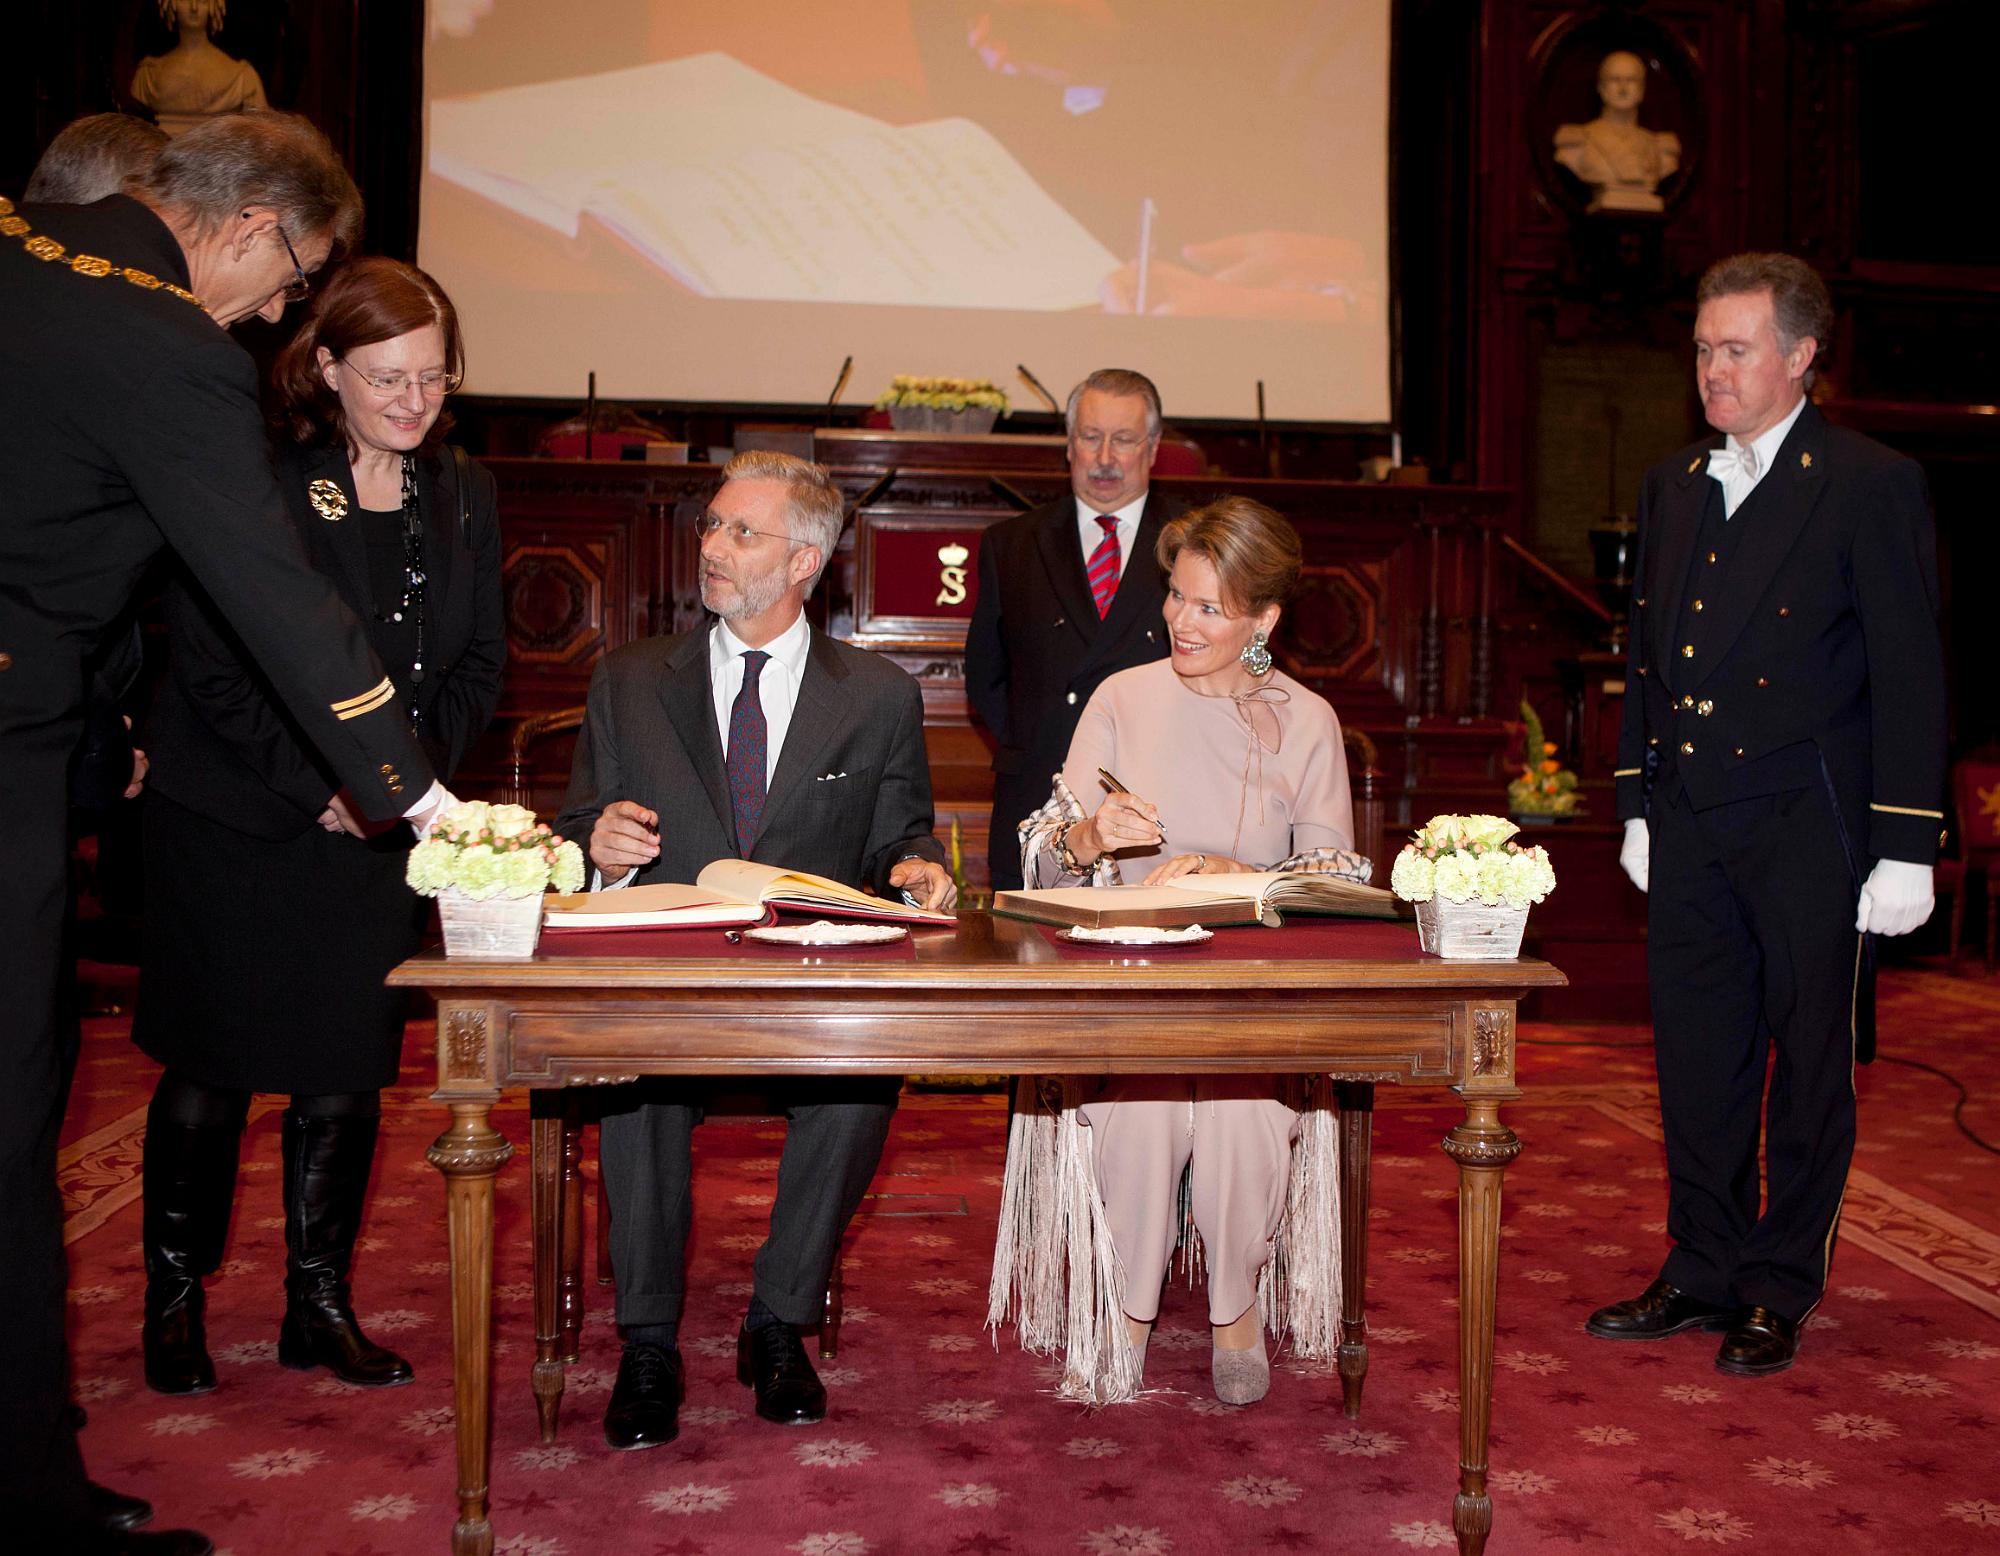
x=953 y=555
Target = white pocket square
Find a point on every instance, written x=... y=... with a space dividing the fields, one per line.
x=829 y=777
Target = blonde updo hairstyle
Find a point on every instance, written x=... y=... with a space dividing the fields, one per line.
x=1254 y=550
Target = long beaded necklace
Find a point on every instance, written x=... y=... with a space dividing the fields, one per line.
x=416 y=591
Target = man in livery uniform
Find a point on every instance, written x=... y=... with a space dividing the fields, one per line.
x=129 y=423
x=1781 y=779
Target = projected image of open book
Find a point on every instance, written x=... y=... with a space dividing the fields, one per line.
x=1209 y=900
x=745 y=188
x=729 y=891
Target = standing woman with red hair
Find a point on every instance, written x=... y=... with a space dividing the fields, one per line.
x=272 y=913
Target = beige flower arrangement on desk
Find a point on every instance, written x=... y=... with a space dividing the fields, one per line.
x=942 y=394
x=484 y=851
x=1471 y=859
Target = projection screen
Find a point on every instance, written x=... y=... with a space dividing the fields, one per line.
x=719 y=200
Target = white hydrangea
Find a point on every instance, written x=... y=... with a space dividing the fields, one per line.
x=567 y=874
x=1412 y=877
x=430 y=868
x=1457 y=877
x=478 y=874
x=1496 y=874
x=1532 y=877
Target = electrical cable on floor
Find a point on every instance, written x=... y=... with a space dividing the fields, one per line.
x=1957 y=1109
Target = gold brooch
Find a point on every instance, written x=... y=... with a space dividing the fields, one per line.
x=1805 y=461
x=327 y=500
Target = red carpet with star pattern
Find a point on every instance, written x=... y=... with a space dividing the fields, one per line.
x=1882 y=1439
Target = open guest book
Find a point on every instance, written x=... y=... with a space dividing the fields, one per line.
x=1199 y=899
x=729 y=891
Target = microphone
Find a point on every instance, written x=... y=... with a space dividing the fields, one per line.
x=840 y=383
x=1035 y=384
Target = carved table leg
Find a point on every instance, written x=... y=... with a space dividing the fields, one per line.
x=1482 y=1146
x=1357 y=1120
x=569 y=1287
x=469 y=1153
x=545 y=1161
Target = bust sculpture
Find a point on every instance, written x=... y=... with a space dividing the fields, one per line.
x=194 y=80
x=1623 y=162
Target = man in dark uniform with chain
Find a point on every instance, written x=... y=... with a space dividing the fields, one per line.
x=129 y=423
x=1781 y=779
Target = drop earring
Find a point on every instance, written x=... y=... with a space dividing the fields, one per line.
x=1256 y=656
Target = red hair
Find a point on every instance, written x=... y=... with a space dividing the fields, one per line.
x=365 y=302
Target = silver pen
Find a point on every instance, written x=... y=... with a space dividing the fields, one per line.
x=1111 y=782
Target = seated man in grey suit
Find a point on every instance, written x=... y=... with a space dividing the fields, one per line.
x=760 y=737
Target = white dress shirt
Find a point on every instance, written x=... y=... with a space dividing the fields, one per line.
x=1090 y=534
x=777 y=685
x=1765 y=445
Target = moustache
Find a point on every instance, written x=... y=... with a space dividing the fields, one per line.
x=1106 y=473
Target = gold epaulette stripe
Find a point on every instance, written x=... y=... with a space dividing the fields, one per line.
x=367 y=702
x=47 y=249
x=1904 y=810
x=1626 y=772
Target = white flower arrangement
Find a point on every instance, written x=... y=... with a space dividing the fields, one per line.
x=490 y=851
x=943 y=394
x=1471 y=859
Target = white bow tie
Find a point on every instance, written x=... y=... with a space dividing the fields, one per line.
x=1729 y=463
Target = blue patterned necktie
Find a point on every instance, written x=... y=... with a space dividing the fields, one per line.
x=749 y=753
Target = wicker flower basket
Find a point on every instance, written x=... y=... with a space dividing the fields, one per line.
x=499 y=928
x=1470 y=931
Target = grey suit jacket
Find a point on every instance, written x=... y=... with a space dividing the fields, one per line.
x=851 y=795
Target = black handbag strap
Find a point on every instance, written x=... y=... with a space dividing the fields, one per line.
x=462 y=469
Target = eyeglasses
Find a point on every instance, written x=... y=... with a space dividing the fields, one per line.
x=741 y=535
x=433 y=384
x=1122 y=443
x=300 y=289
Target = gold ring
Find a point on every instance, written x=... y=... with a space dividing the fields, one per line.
x=1202 y=865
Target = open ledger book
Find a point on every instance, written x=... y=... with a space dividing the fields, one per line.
x=1198 y=899
x=729 y=891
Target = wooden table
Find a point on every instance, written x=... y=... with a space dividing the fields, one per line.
x=1349 y=998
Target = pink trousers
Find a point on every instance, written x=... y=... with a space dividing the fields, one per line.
x=1144 y=1130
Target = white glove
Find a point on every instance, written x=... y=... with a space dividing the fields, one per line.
x=1895 y=899
x=1635 y=855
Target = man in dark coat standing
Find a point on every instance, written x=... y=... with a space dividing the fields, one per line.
x=1781 y=779
x=1068 y=593
x=129 y=423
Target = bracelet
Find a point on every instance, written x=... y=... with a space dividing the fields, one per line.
x=1065 y=855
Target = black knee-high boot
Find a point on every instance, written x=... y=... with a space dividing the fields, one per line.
x=327 y=1160
x=189 y=1179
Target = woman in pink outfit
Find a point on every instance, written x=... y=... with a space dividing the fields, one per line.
x=1233 y=766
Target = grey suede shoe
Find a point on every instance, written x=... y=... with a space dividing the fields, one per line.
x=1241 y=1377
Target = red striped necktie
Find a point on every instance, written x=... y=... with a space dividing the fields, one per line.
x=1103 y=566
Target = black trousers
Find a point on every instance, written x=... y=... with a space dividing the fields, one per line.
x=1751 y=948
x=41 y=1470
x=833 y=1139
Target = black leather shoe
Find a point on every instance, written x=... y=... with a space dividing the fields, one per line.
x=1759 y=1342
x=645 y=1408
x=1658 y=1311
x=772 y=1360
x=114 y=1510
x=156 y=1542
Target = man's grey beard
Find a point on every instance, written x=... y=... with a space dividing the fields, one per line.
x=753 y=598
